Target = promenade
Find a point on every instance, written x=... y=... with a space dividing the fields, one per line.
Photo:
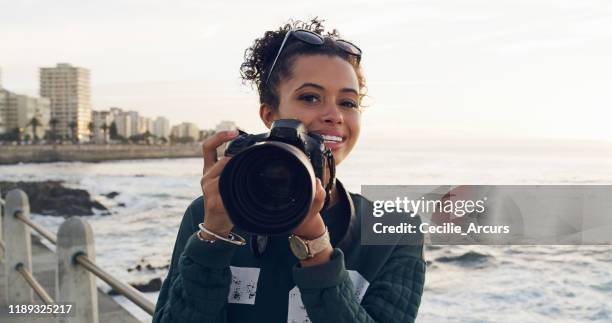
x=93 y=153
x=44 y=265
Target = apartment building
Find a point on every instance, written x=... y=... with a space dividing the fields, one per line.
x=68 y=88
x=17 y=111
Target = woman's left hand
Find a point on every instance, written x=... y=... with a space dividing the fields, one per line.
x=314 y=227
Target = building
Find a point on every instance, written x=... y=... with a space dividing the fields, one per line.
x=3 y=110
x=114 y=111
x=24 y=110
x=150 y=125
x=100 y=119
x=225 y=125
x=68 y=88
x=144 y=125
x=123 y=121
x=134 y=123
x=3 y=107
x=186 y=130
x=204 y=134
x=18 y=111
x=161 y=127
x=131 y=123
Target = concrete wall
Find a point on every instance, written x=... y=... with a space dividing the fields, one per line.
x=93 y=153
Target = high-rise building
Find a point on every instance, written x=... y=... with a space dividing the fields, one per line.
x=150 y=125
x=3 y=111
x=19 y=111
x=69 y=90
x=3 y=107
x=135 y=123
x=102 y=120
x=161 y=127
x=186 y=130
x=123 y=121
x=143 y=125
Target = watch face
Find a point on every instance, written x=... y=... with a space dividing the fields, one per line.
x=298 y=247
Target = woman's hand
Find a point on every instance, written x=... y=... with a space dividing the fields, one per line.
x=314 y=227
x=216 y=219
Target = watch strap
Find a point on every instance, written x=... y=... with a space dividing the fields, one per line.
x=313 y=247
x=318 y=244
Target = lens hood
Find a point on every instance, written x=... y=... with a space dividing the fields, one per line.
x=268 y=188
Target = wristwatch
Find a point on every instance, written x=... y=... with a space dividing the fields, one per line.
x=305 y=249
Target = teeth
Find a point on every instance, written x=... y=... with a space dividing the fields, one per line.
x=332 y=138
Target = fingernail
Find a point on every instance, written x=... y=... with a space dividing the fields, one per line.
x=232 y=133
x=318 y=181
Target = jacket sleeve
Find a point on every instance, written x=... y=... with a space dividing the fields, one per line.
x=199 y=277
x=393 y=296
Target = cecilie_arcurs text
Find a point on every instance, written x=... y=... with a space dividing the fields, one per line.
x=445 y=228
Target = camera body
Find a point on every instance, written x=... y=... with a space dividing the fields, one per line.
x=289 y=131
x=268 y=185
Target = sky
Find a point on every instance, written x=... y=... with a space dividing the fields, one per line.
x=441 y=68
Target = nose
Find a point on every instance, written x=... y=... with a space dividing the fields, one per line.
x=332 y=114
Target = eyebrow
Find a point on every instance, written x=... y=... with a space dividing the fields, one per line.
x=346 y=89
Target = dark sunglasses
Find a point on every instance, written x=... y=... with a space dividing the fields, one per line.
x=312 y=38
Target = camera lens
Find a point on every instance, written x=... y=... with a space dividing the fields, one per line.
x=276 y=180
x=268 y=188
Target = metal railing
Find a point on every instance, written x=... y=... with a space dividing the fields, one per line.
x=124 y=289
x=76 y=267
x=42 y=231
x=40 y=291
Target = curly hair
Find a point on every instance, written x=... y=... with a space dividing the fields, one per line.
x=259 y=57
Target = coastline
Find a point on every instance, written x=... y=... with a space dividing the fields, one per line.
x=93 y=153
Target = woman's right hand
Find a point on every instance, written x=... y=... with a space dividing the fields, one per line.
x=216 y=219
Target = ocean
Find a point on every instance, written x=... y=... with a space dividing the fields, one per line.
x=463 y=283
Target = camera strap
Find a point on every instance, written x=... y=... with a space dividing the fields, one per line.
x=331 y=164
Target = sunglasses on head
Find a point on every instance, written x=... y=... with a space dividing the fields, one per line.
x=312 y=38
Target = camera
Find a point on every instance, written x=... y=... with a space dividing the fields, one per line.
x=269 y=184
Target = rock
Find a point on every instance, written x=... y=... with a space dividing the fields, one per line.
x=51 y=198
x=153 y=285
x=148 y=266
x=111 y=195
x=469 y=258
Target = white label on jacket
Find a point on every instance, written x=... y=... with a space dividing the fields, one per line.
x=297 y=312
x=243 y=287
x=360 y=284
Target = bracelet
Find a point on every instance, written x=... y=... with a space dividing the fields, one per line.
x=232 y=238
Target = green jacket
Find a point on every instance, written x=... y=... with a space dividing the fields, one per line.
x=221 y=282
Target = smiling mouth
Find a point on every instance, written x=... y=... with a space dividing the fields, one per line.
x=332 y=139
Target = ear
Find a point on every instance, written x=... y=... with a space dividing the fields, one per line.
x=267 y=114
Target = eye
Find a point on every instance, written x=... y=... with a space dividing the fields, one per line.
x=310 y=98
x=349 y=104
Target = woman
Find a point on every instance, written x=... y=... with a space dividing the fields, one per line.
x=316 y=79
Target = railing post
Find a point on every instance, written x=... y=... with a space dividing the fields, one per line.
x=76 y=284
x=18 y=246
